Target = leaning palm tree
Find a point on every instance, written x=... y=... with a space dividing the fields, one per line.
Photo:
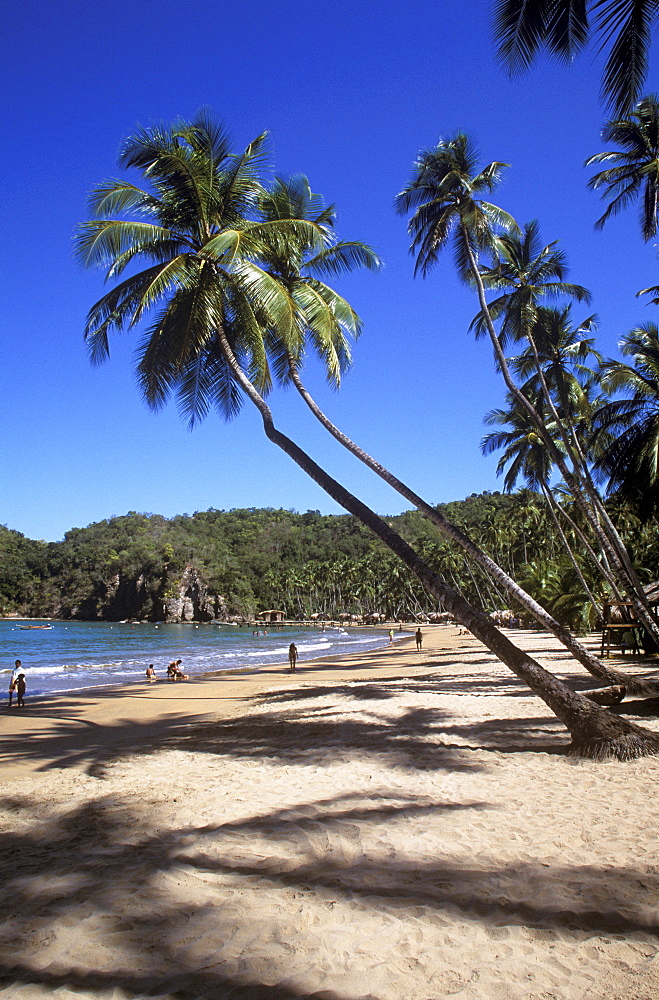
x=554 y=367
x=564 y=27
x=213 y=304
x=444 y=197
x=629 y=426
x=632 y=172
x=326 y=321
x=525 y=273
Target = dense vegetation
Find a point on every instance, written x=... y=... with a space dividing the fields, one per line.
x=246 y=561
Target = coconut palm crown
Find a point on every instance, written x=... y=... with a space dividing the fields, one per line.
x=325 y=321
x=197 y=244
x=525 y=272
x=444 y=196
x=524 y=453
x=635 y=173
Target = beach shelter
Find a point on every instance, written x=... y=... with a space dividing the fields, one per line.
x=271 y=616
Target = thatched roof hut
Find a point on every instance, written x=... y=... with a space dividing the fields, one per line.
x=272 y=616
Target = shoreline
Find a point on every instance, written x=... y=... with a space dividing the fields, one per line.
x=245 y=653
x=174 y=701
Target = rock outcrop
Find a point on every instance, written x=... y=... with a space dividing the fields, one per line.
x=189 y=600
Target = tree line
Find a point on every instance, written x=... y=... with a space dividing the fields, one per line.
x=309 y=564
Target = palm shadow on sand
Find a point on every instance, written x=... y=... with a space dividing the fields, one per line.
x=90 y=873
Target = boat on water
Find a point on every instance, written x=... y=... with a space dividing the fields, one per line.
x=35 y=626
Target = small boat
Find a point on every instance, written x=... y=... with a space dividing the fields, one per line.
x=35 y=626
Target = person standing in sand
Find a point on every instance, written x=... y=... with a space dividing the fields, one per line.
x=13 y=680
x=418 y=635
x=20 y=690
x=292 y=655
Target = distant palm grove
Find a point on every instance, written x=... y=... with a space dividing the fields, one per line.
x=246 y=561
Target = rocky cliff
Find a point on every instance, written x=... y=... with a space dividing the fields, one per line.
x=188 y=599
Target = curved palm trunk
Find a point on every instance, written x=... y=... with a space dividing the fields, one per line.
x=611 y=542
x=604 y=569
x=595 y=732
x=552 y=509
x=591 y=663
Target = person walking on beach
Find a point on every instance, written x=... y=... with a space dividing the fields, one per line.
x=391 y=635
x=292 y=655
x=418 y=635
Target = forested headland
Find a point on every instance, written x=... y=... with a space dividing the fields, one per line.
x=236 y=563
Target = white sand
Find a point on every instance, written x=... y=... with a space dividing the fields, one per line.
x=402 y=831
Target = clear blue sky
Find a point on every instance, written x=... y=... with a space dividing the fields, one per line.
x=350 y=92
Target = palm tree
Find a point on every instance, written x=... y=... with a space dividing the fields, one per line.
x=444 y=198
x=327 y=320
x=526 y=273
x=635 y=171
x=443 y=195
x=324 y=319
x=630 y=426
x=203 y=251
x=214 y=305
x=563 y=27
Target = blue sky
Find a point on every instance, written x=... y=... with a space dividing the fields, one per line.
x=349 y=92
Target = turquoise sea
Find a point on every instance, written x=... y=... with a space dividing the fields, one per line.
x=75 y=655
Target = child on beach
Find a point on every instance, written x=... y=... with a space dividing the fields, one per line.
x=20 y=690
x=151 y=674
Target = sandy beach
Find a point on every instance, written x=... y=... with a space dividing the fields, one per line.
x=392 y=826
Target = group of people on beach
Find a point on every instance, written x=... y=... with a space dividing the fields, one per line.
x=17 y=685
x=174 y=672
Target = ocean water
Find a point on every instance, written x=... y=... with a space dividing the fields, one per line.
x=75 y=655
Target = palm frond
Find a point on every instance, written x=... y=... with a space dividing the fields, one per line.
x=522 y=28
x=342 y=258
x=628 y=24
x=100 y=241
x=121 y=196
